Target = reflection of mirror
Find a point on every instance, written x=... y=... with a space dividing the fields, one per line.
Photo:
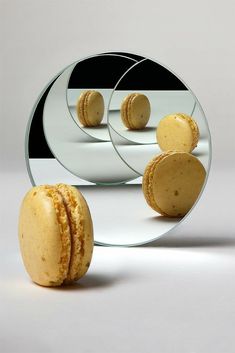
x=108 y=172
x=90 y=160
x=167 y=94
x=95 y=76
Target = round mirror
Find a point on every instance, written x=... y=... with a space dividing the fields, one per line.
x=107 y=158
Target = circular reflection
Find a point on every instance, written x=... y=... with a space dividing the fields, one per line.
x=90 y=85
x=93 y=161
x=167 y=94
x=58 y=149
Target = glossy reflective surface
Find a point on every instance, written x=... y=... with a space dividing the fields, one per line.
x=107 y=162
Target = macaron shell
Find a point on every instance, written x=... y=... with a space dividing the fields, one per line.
x=135 y=111
x=139 y=111
x=80 y=108
x=177 y=180
x=81 y=231
x=94 y=108
x=130 y=117
x=194 y=129
x=147 y=183
x=124 y=111
x=44 y=236
x=90 y=108
x=177 y=132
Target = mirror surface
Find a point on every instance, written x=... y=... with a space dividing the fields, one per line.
x=93 y=161
x=100 y=74
x=107 y=163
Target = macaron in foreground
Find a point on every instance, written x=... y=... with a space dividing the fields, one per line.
x=135 y=111
x=55 y=234
x=172 y=182
x=90 y=108
x=177 y=132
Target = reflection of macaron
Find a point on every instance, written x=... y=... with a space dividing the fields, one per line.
x=177 y=132
x=135 y=111
x=172 y=182
x=90 y=108
x=55 y=234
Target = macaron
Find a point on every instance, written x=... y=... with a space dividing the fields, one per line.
x=135 y=111
x=55 y=234
x=177 y=132
x=172 y=182
x=90 y=108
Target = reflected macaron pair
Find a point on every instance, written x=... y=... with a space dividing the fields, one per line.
x=173 y=180
x=135 y=110
x=178 y=132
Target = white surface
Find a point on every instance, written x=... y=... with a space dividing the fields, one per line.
x=99 y=132
x=173 y=296
x=50 y=171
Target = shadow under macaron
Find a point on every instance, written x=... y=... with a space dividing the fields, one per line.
x=88 y=282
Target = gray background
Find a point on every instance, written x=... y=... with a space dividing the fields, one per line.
x=176 y=295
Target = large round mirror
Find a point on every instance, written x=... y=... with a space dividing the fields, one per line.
x=97 y=124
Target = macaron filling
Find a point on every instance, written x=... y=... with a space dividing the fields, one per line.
x=129 y=110
x=77 y=230
x=83 y=108
x=148 y=182
x=194 y=129
x=62 y=219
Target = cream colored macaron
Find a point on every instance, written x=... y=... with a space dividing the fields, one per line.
x=135 y=111
x=55 y=234
x=177 y=132
x=172 y=183
x=90 y=108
